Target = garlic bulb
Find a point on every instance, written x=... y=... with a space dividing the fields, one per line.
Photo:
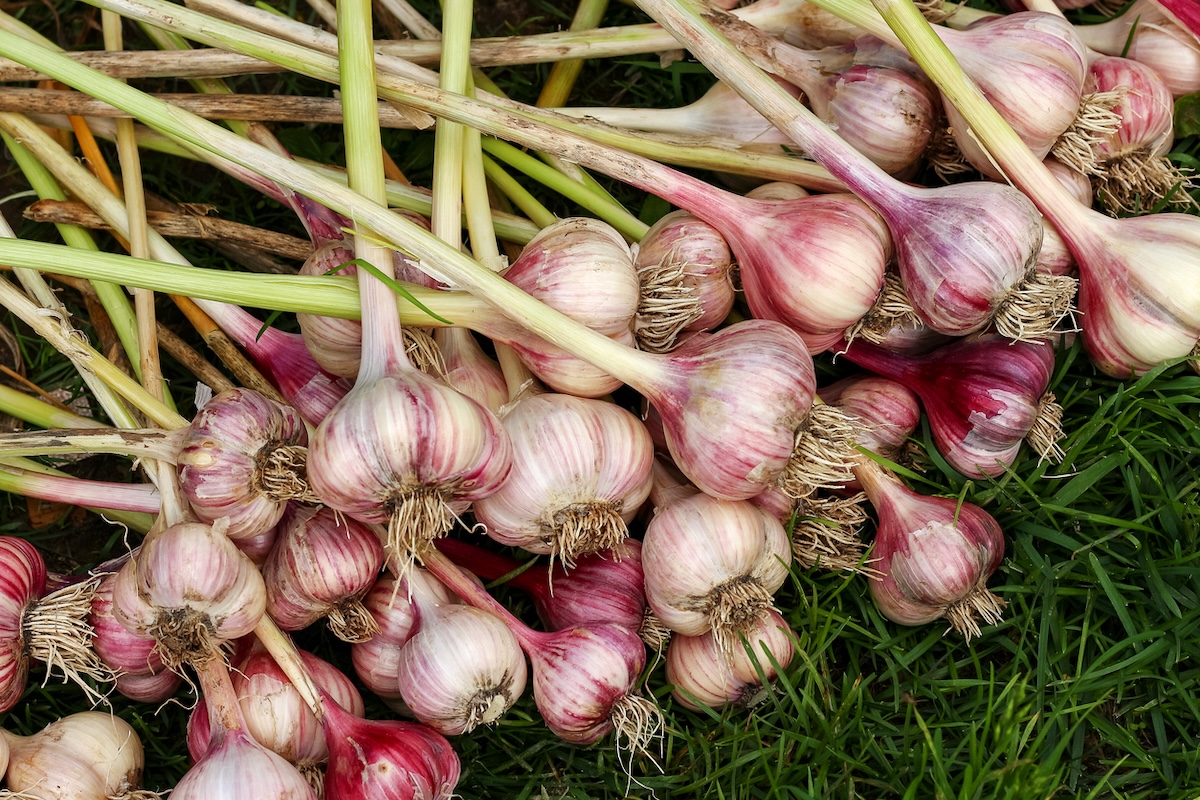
x=583 y=268
x=684 y=265
x=85 y=756
x=242 y=459
x=335 y=344
x=580 y=500
x=190 y=588
x=386 y=759
x=321 y=566
x=934 y=555
x=702 y=674
x=469 y=370
x=713 y=565
x=463 y=669
x=409 y=452
x=274 y=714
x=52 y=628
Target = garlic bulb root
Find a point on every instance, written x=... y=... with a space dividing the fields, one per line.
x=826 y=533
x=56 y=631
x=666 y=305
x=824 y=453
x=1033 y=309
x=279 y=469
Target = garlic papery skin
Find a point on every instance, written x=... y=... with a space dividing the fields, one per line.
x=1139 y=291
x=320 y=567
x=84 y=756
x=583 y=268
x=1031 y=67
x=583 y=683
x=983 y=395
x=242 y=459
x=701 y=674
x=402 y=451
x=24 y=580
x=934 y=555
x=390 y=760
x=1055 y=258
x=192 y=590
x=889 y=411
x=584 y=678
x=607 y=586
x=463 y=669
x=232 y=764
x=681 y=259
x=152 y=687
x=713 y=565
x=274 y=714
x=831 y=269
x=745 y=393
x=377 y=664
x=886 y=114
x=335 y=344
x=124 y=652
x=35 y=626
x=580 y=500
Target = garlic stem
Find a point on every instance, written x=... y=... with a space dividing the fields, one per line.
x=288 y=658
x=141 y=498
x=627 y=365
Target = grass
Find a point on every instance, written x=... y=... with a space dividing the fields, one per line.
x=1088 y=689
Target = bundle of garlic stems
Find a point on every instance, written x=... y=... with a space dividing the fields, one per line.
x=675 y=514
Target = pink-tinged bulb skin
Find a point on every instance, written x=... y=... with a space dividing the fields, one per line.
x=581 y=674
x=1031 y=67
x=238 y=768
x=335 y=344
x=984 y=396
x=388 y=760
x=732 y=405
x=580 y=500
x=934 y=556
x=889 y=410
x=885 y=114
x=965 y=250
x=1146 y=108
x=320 y=567
x=236 y=459
x=703 y=674
x=680 y=238
x=407 y=439
x=22 y=581
x=815 y=264
x=1139 y=292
